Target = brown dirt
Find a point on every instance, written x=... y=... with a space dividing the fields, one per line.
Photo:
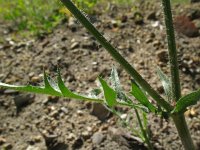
x=58 y=124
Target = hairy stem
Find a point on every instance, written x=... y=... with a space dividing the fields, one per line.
x=116 y=55
x=178 y=119
x=172 y=50
x=183 y=131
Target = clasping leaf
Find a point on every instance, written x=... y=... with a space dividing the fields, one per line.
x=186 y=101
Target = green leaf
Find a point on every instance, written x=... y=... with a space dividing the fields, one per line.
x=67 y=93
x=144 y=119
x=115 y=82
x=64 y=90
x=109 y=93
x=188 y=100
x=141 y=97
x=29 y=88
x=51 y=88
x=166 y=84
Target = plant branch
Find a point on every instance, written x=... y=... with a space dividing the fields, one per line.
x=116 y=55
x=144 y=132
x=172 y=50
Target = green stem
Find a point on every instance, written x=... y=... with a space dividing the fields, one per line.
x=183 y=131
x=116 y=55
x=178 y=119
x=144 y=133
x=172 y=50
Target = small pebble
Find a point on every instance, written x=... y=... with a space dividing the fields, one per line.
x=97 y=138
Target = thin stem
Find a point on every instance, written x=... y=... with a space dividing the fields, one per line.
x=144 y=133
x=178 y=119
x=116 y=55
x=183 y=131
x=176 y=90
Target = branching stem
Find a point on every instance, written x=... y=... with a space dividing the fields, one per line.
x=116 y=55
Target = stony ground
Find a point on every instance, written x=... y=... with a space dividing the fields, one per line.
x=50 y=123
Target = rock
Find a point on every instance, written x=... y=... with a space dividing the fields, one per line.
x=54 y=114
x=80 y=112
x=155 y=24
x=70 y=78
x=89 y=45
x=35 y=79
x=152 y=16
x=72 y=24
x=93 y=77
x=8 y=91
x=89 y=129
x=31 y=147
x=98 y=138
x=123 y=116
x=191 y=113
x=35 y=139
x=78 y=143
x=86 y=135
x=114 y=23
x=71 y=136
x=64 y=109
x=22 y=100
x=117 y=135
x=185 y=26
x=31 y=74
x=125 y=139
x=74 y=45
x=149 y=40
x=100 y=111
x=162 y=55
x=197 y=23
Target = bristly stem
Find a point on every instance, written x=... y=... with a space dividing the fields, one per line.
x=116 y=55
x=176 y=90
x=179 y=118
x=183 y=131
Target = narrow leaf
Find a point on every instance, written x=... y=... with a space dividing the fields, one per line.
x=144 y=118
x=141 y=97
x=166 y=84
x=109 y=93
x=64 y=90
x=186 y=101
x=29 y=88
